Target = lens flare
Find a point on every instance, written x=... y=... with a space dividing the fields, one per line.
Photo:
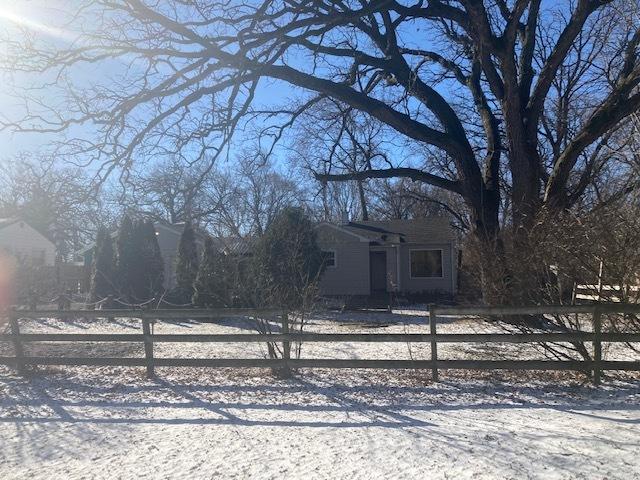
x=12 y=17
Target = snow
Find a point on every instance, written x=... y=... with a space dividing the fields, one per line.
x=110 y=422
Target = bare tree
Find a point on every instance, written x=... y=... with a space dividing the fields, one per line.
x=474 y=83
x=249 y=196
x=332 y=134
x=56 y=200
x=170 y=191
x=403 y=199
x=265 y=193
x=335 y=202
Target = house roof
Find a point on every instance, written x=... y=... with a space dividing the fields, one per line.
x=92 y=245
x=420 y=230
x=5 y=222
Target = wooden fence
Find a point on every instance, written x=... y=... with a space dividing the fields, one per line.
x=609 y=293
x=596 y=337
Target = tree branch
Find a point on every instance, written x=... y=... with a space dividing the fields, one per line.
x=412 y=173
x=584 y=9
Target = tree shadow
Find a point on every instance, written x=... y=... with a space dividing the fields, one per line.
x=242 y=323
x=380 y=318
x=358 y=406
x=181 y=323
x=50 y=323
x=186 y=398
x=69 y=410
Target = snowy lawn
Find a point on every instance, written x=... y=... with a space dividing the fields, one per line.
x=107 y=422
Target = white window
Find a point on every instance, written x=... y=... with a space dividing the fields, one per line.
x=426 y=263
x=329 y=257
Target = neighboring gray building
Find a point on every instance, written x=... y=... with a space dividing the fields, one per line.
x=168 y=239
x=402 y=256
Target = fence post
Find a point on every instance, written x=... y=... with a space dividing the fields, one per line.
x=597 y=346
x=148 y=346
x=17 y=343
x=434 y=343
x=286 y=345
x=110 y=306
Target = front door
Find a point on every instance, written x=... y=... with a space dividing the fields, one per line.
x=378 y=271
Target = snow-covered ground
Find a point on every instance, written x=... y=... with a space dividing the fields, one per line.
x=107 y=422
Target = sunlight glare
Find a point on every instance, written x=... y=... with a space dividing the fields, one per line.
x=8 y=15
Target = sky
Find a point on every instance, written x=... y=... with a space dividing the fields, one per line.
x=46 y=19
x=43 y=18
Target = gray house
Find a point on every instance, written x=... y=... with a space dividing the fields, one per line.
x=362 y=258
x=402 y=256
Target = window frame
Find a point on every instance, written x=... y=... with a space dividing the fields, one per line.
x=335 y=257
x=441 y=250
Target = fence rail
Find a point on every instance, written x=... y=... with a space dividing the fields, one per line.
x=167 y=314
x=596 y=337
x=330 y=337
x=598 y=292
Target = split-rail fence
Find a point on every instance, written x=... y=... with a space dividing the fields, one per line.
x=596 y=336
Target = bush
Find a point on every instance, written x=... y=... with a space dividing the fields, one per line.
x=126 y=259
x=211 y=285
x=187 y=266
x=288 y=262
x=287 y=266
x=103 y=268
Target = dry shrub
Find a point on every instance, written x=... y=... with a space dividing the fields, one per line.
x=598 y=251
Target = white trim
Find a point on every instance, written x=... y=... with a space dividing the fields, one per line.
x=422 y=249
x=344 y=230
x=335 y=257
x=454 y=264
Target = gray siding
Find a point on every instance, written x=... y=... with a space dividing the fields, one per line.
x=169 y=240
x=350 y=276
x=446 y=284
